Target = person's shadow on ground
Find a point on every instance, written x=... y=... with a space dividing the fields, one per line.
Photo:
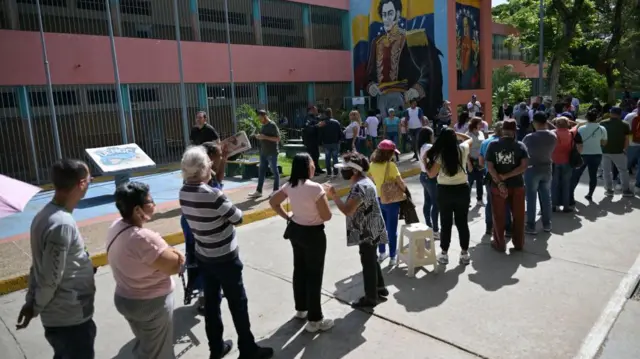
x=184 y=320
x=291 y=339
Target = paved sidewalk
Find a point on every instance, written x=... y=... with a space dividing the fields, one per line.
x=540 y=303
x=15 y=253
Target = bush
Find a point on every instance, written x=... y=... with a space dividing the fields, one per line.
x=248 y=121
x=583 y=82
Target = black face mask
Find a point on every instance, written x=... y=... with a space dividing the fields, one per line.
x=346 y=173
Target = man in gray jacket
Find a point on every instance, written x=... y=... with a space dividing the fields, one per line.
x=61 y=283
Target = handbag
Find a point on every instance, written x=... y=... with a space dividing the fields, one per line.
x=391 y=191
x=575 y=158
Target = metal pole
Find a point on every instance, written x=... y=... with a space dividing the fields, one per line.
x=183 y=95
x=116 y=75
x=32 y=143
x=47 y=71
x=233 y=86
x=541 y=51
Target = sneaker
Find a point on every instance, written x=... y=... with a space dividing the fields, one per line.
x=319 y=326
x=382 y=256
x=260 y=353
x=488 y=232
x=301 y=314
x=628 y=193
x=588 y=198
x=547 y=229
x=567 y=210
x=226 y=348
x=255 y=194
x=465 y=258
x=638 y=190
x=608 y=192
x=436 y=236
x=530 y=230
x=393 y=261
x=479 y=203
x=363 y=302
x=443 y=258
x=555 y=209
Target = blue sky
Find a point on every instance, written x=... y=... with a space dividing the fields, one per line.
x=497 y=2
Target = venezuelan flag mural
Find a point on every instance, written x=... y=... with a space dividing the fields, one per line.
x=394 y=55
x=468 y=44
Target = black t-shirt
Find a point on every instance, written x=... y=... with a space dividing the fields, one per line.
x=506 y=154
x=205 y=134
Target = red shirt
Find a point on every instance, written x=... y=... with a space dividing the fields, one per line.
x=563 y=146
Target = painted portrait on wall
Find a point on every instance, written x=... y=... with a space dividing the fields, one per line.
x=395 y=57
x=468 y=44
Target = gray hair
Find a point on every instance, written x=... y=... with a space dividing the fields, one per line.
x=195 y=164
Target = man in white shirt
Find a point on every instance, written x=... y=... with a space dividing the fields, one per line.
x=415 y=120
x=473 y=106
x=371 y=124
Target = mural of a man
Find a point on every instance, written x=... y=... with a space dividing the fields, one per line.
x=403 y=65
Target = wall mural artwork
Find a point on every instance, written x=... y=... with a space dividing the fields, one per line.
x=468 y=45
x=394 y=54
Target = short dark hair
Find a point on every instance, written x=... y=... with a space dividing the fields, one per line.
x=540 y=117
x=358 y=159
x=328 y=112
x=212 y=149
x=67 y=173
x=130 y=195
x=592 y=115
x=397 y=4
x=300 y=168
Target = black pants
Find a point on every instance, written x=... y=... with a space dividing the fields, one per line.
x=314 y=152
x=413 y=133
x=476 y=176
x=453 y=202
x=74 y=342
x=371 y=271
x=227 y=276
x=309 y=248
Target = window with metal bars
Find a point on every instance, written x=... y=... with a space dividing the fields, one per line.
x=60 y=98
x=95 y=5
x=277 y=23
x=217 y=16
x=135 y=7
x=327 y=28
x=58 y=3
x=101 y=97
x=8 y=100
x=144 y=95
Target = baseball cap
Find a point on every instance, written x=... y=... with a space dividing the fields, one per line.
x=388 y=145
x=262 y=112
x=509 y=125
x=616 y=110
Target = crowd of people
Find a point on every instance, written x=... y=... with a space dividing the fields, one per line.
x=537 y=161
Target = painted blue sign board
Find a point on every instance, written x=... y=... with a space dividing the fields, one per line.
x=121 y=159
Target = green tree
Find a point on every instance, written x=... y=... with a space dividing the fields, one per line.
x=500 y=79
x=249 y=122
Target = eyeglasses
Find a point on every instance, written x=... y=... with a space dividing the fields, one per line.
x=149 y=202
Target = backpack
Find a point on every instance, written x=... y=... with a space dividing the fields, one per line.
x=635 y=129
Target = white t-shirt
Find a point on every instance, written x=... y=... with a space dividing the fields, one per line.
x=485 y=127
x=372 y=126
x=423 y=151
x=473 y=108
x=575 y=102
x=414 y=118
x=348 y=132
x=461 y=176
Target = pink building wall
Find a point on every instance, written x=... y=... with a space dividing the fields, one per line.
x=85 y=59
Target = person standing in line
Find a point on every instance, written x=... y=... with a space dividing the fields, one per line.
x=429 y=185
x=392 y=125
x=404 y=134
x=537 y=178
x=507 y=160
x=443 y=119
x=371 y=123
x=330 y=135
x=488 y=216
x=61 y=288
x=474 y=106
x=142 y=264
x=269 y=138
x=562 y=169
x=415 y=121
x=383 y=170
x=212 y=218
x=203 y=132
x=310 y=210
x=352 y=131
x=447 y=161
x=462 y=126
x=311 y=137
x=476 y=173
x=614 y=150
x=365 y=225
x=633 y=151
x=594 y=136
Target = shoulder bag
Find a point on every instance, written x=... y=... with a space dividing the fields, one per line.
x=116 y=237
x=390 y=190
x=575 y=158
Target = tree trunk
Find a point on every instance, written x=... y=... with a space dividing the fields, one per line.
x=611 y=83
x=554 y=75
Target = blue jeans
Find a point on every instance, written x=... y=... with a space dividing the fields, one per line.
x=633 y=158
x=270 y=161
x=538 y=186
x=390 y=212
x=226 y=275
x=476 y=176
x=430 y=206
x=561 y=185
x=488 y=215
x=331 y=157
x=590 y=162
x=393 y=137
x=74 y=342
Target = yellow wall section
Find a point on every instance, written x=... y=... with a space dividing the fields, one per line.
x=474 y=3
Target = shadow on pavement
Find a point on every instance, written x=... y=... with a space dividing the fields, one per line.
x=291 y=339
x=89 y=202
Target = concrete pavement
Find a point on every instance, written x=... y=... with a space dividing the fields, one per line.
x=540 y=303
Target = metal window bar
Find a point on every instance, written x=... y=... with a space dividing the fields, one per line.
x=326 y=28
x=86 y=17
x=282 y=23
x=212 y=21
x=154 y=19
x=15 y=150
x=290 y=102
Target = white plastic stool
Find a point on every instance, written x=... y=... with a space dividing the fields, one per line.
x=417 y=255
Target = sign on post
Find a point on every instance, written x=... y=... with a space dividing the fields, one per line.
x=121 y=159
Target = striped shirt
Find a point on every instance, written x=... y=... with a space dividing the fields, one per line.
x=212 y=219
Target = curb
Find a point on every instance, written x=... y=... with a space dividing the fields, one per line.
x=17 y=283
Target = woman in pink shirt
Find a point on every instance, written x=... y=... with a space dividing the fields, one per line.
x=142 y=264
x=305 y=230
